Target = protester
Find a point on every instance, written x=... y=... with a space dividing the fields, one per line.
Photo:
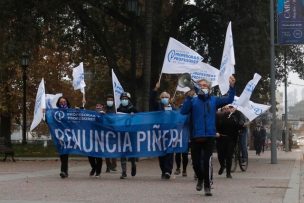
x=257 y=136
x=203 y=111
x=179 y=157
x=165 y=161
x=63 y=103
x=110 y=108
x=96 y=162
x=126 y=107
x=228 y=124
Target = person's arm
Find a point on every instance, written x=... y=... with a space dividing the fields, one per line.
x=222 y=101
x=153 y=97
x=187 y=105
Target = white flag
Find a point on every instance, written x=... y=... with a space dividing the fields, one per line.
x=51 y=100
x=117 y=90
x=179 y=58
x=207 y=72
x=246 y=94
x=228 y=62
x=39 y=105
x=250 y=109
x=78 y=78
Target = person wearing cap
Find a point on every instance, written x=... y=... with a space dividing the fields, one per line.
x=110 y=108
x=202 y=107
x=165 y=161
x=126 y=106
x=96 y=162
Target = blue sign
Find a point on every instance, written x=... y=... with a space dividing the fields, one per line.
x=90 y=133
x=290 y=21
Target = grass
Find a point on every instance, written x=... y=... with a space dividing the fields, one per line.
x=35 y=150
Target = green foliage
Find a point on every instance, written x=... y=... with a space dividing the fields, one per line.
x=35 y=150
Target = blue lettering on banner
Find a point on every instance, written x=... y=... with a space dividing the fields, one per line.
x=182 y=57
x=90 y=133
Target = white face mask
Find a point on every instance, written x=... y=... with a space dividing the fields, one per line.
x=110 y=103
x=205 y=91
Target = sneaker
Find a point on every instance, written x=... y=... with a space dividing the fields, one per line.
x=207 y=191
x=108 y=170
x=133 y=170
x=167 y=176
x=163 y=176
x=177 y=171
x=199 y=185
x=123 y=175
x=92 y=172
x=97 y=175
x=184 y=173
x=228 y=176
x=63 y=174
x=220 y=172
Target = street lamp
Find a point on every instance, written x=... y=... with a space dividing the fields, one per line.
x=24 y=65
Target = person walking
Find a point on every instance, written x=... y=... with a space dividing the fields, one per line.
x=63 y=103
x=257 y=137
x=110 y=108
x=202 y=109
x=165 y=161
x=96 y=162
x=228 y=124
x=181 y=158
x=126 y=107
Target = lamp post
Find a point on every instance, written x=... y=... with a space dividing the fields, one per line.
x=24 y=65
x=133 y=9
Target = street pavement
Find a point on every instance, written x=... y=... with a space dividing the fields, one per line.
x=37 y=180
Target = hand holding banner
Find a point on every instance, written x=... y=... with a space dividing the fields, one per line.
x=228 y=62
x=39 y=105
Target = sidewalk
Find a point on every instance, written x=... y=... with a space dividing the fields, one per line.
x=37 y=180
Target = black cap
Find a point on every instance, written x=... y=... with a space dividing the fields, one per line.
x=110 y=96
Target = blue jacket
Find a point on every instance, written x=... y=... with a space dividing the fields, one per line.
x=203 y=113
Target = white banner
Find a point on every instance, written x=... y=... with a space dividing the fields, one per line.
x=207 y=72
x=250 y=109
x=117 y=90
x=51 y=100
x=247 y=92
x=78 y=78
x=179 y=58
x=39 y=105
x=227 y=63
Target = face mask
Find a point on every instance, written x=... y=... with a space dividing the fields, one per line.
x=63 y=106
x=165 y=101
x=205 y=91
x=110 y=103
x=124 y=102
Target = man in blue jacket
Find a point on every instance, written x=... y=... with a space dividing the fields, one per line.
x=203 y=109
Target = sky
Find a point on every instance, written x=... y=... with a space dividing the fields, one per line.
x=295 y=83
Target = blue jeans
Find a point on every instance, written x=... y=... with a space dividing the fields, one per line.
x=243 y=143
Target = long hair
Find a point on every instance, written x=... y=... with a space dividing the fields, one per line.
x=67 y=101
